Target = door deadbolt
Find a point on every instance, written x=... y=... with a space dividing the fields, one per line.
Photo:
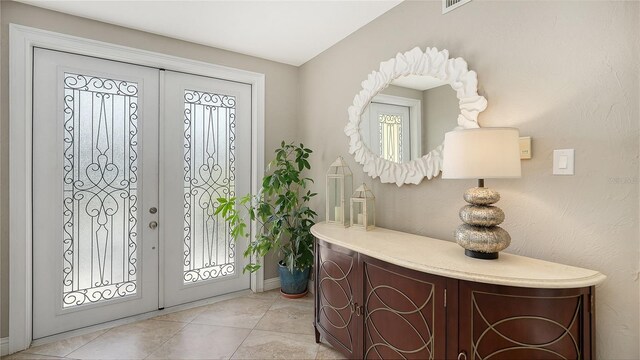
x=153 y=210
x=153 y=224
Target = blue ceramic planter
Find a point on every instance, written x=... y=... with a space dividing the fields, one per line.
x=293 y=282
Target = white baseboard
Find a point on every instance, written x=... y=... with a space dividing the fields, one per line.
x=271 y=284
x=4 y=346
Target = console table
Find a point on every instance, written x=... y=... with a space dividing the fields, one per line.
x=385 y=294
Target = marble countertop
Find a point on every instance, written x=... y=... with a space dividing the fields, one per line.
x=447 y=259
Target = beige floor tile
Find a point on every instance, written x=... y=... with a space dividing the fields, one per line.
x=327 y=352
x=307 y=299
x=28 y=356
x=274 y=345
x=241 y=312
x=182 y=316
x=215 y=332
x=266 y=295
x=197 y=341
x=132 y=341
x=288 y=316
x=64 y=347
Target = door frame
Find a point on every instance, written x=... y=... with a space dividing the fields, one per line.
x=22 y=40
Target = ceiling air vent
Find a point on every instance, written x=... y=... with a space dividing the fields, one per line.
x=448 y=5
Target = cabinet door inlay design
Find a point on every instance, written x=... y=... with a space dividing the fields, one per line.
x=336 y=307
x=391 y=297
x=501 y=330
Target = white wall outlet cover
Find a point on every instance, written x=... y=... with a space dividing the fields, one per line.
x=563 y=162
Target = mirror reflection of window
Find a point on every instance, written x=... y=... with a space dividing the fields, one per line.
x=390 y=138
x=409 y=118
x=390 y=134
x=391 y=128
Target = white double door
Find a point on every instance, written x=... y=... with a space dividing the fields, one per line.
x=128 y=165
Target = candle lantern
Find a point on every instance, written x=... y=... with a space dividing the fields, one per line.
x=339 y=185
x=363 y=209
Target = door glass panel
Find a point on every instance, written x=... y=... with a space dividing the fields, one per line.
x=209 y=174
x=100 y=201
x=390 y=135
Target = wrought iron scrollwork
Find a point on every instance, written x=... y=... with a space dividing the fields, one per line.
x=100 y=164
x=209 y=174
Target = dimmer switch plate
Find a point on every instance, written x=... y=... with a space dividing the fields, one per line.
x=563 y=162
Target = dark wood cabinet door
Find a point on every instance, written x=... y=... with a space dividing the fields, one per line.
x=404 y=312
x=337 y=279
x=501 y=322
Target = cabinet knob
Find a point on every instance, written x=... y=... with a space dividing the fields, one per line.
x=462 y=355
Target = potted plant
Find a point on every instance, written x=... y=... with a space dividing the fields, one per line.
x=283 y=217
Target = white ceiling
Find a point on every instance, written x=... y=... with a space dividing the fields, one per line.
x=291 y=32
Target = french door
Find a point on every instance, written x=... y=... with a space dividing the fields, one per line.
x=206 y=147
x=128 y=163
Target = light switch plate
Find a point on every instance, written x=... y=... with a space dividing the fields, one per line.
x=525 y=148
x=563 y=162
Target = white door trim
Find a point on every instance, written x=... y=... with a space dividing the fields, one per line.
x=22 y=41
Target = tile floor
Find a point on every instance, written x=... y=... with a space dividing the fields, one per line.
x=254 y=326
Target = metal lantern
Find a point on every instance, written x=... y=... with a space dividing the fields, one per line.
x=363 y=208
x=339 y=185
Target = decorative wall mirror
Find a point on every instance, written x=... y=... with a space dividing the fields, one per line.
x=398 y=120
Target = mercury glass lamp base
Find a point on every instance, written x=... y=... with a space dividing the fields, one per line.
x=481 y=255
x=480 y=235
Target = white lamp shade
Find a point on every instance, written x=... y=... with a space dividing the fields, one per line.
x=484 y=153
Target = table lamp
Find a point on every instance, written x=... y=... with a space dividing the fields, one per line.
x=483 y=153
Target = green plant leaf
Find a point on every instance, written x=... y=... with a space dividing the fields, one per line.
x=280 y=210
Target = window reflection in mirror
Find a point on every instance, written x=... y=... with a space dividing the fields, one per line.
x=409 y=118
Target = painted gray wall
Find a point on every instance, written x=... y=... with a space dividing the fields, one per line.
x=281 y=95
x=440 y=109
x=566 y=74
